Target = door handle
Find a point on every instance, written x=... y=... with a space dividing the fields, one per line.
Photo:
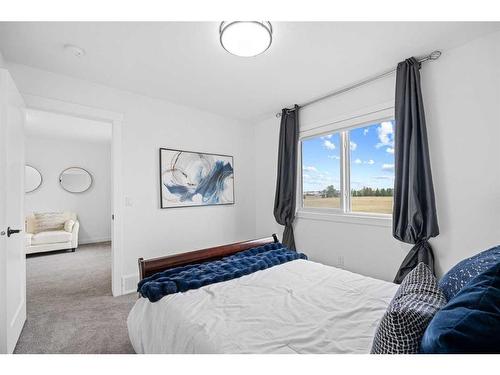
x=12 y=231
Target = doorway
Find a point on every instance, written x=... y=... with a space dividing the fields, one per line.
x=67 y=182
x=12 y=237
x=57 y=107
x=70 y=172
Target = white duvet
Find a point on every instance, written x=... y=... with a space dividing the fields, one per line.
x=296 y=307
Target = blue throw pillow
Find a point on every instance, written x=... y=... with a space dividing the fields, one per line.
x=470 y=322
x=460 y=275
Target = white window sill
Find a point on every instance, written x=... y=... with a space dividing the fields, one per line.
x=378 y=220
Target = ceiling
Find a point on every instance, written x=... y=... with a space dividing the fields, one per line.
x=48 y=125
x=183 y=62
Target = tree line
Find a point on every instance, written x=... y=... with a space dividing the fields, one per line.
x=331 y=192
x=369 y=192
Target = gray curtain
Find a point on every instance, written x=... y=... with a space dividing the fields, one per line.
x=414 y=214
x=284 y=200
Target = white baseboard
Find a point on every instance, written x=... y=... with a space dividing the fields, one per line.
x=129 y=283
x=86 y=241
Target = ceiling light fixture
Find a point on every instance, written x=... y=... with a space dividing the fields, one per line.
x=74 y=50
x=246 y=38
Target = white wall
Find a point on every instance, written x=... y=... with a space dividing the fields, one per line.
x=462 y=95
x=93 y=207
x=149 y=124
x=462 y=100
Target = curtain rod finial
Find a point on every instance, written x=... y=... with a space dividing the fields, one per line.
x=435 y=55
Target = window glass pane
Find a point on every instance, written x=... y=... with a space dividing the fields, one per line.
x=372 y=167
x=321 y=171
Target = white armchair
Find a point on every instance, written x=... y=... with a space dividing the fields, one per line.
x=51 y=231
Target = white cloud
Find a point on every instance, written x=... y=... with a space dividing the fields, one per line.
x=385 y=134
x=387 y=167
x=369 y=162
x=390 y=150
x=335 y=157
x=329 y=145
x=329 y=136
x=310 y=169
x=353 y=146
x=383 y=177
x=365 y=131
x=319 y=181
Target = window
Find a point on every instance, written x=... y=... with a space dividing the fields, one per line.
x=350 y=170
x=321 y=171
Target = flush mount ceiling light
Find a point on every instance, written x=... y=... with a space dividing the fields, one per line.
x=246 y=38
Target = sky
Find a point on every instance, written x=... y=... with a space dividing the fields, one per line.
x=372 y=158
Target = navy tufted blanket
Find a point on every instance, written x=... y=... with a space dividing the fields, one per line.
x=181 y=279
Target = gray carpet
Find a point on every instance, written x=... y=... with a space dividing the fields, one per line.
x=70 y=306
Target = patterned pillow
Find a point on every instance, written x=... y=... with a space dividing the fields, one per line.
x=417 y=300
x=463 y=272
x=49 y=221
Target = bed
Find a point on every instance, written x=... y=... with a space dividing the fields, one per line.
x=295 y=307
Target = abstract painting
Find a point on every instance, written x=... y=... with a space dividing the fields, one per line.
x=195 y=179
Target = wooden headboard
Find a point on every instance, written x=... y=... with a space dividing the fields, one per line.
x=148 y=267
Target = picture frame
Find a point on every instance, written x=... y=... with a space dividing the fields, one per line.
x=195 y=179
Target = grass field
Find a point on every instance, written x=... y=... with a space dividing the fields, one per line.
x=381 y=205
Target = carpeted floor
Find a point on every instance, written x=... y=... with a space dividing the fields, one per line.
x=70 y=306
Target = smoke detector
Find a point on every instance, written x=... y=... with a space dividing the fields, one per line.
x=74 y=50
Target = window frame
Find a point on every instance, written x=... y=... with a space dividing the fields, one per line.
x=342 y=126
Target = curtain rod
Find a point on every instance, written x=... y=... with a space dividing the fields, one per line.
x=434 y=55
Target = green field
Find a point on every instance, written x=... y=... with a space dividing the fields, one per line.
x=381 y=205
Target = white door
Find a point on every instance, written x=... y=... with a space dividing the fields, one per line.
x=12 y=244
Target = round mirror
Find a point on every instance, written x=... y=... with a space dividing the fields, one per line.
x=75 y=180
x=32 y=179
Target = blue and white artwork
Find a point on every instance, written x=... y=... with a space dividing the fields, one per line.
x=195 y=179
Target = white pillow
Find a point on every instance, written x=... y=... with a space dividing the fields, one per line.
x=49 y=221
x=68 y=225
